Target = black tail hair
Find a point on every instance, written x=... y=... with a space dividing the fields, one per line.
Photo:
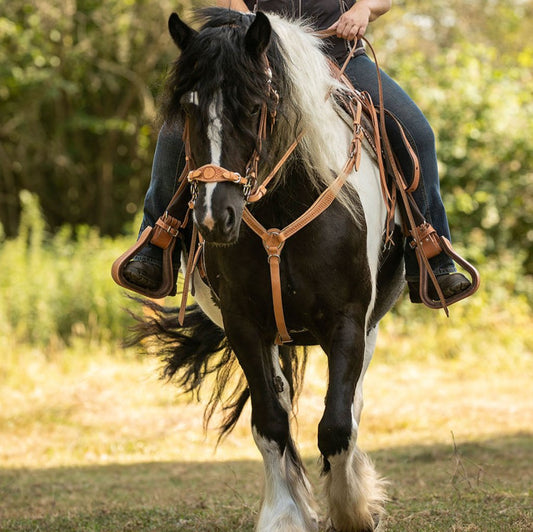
x=198 y=349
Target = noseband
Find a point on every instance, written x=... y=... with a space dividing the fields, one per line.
x=210 y=173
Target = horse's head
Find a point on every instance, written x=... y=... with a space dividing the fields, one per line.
x=221 y=87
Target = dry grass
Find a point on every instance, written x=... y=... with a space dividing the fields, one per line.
x=97 y=442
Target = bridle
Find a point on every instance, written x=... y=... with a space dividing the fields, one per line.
x=210 y=173
x=273 y=239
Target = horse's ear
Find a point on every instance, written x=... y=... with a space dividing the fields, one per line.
x=258 y=35
x=181 y=33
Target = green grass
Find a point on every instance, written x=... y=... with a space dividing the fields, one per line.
x=97 y=442
x=432 y=488
x=90 y=439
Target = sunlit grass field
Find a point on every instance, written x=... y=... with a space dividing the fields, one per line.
x=92 y=440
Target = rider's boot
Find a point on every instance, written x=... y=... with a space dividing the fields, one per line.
x=451 y=284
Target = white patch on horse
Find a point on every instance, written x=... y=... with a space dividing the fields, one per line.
x=214 y=136
x=202 y=295
x=192 y=97
x=370 y=345
x=284 y=394
x=280 y=511
x=355 y=493
x=367 y=183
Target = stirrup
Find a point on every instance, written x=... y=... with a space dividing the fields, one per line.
x=444 y=303
x=168 y=281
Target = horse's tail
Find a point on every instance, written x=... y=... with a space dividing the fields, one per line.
x=200 y=350
x=192 y=353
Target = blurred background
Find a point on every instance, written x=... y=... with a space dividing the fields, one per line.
x=79 y=85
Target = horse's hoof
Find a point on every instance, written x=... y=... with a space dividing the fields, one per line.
x=375 y=518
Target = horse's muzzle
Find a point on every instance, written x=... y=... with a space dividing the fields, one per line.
x=222 y=229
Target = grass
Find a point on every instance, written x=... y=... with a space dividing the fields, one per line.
x=90 y=439
x=95 y=441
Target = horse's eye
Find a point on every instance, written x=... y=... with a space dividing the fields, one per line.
x=256 y=109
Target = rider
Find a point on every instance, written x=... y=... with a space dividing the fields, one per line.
x=350 y=21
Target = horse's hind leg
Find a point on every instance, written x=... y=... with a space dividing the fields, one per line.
x=287 y=504
x=355 y=494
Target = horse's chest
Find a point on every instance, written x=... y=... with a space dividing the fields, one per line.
x=318 y=272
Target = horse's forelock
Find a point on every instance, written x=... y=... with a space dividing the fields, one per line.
x=216 y=61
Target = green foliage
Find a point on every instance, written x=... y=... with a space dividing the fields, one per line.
x=57 y=288
x=77 y=101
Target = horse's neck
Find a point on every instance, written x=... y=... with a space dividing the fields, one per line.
x=289 y=199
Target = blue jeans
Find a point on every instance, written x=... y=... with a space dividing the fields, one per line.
x=362 y=73
x=169 y=160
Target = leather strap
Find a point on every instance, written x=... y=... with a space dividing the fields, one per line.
x=274 y=239
x=210 y=173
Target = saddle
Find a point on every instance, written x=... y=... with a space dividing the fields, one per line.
x=367 y=121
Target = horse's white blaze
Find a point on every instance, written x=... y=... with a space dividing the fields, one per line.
x=281 y=511
x=214 y=136
x=208 y=220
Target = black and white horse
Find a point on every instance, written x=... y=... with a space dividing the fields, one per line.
x=337 y=280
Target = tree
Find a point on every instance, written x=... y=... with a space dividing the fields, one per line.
x=78 y=101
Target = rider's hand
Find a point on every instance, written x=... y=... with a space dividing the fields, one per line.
x=352 y=24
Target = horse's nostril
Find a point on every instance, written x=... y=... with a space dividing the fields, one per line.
x=230 y=219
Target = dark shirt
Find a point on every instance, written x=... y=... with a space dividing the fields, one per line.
x=321 y=14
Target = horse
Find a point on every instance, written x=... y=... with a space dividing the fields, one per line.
x=238 y=75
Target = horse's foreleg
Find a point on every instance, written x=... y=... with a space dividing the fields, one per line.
x=287 y=504
x=354 y=493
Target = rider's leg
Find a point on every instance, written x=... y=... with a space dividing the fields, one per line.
x=169 y=160
x=362 y=72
